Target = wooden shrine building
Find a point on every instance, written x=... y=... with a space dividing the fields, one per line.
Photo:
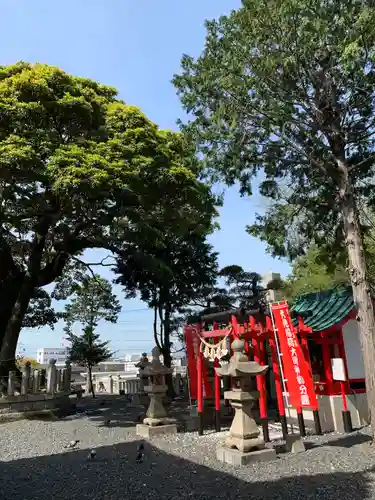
x=327 y=327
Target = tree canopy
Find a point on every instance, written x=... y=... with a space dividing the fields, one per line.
x=273 y=80
x=80 y=169
x=310 y=274
x=168 y=278
x=284 y=90
x=92 y=301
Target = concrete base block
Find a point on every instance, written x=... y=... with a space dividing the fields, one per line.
x=236 y=457
x=147 y=431
x=294 y=443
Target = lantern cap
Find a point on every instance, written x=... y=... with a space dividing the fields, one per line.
x=239 y=366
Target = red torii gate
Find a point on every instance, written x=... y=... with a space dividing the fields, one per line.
x=253 y=331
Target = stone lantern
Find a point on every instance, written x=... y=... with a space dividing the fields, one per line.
x=156 y=421
x=244 y=444
x=141 y=398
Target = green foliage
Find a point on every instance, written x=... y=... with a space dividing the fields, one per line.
x=40 y=312
x=311 y=274
x=285 y=89
x=92 y=301
x=168 y=278
x=86 y=350
x=234 y=288
x=80 y=169
x=243 y=287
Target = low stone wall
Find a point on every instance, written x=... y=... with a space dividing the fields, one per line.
x=31 y=405
x=127 y=383
x=37 y=393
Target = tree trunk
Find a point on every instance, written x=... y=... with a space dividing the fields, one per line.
x=91 y=385
x=167 y=351
x=361 y=294
x=9 y=292
x=13 y=329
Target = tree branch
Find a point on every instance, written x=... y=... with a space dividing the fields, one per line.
x=77 y=259
x=102 y=262
x=156 y=327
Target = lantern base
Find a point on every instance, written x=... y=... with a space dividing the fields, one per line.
x=236 y=457
x=146 y=431
x=245 y=445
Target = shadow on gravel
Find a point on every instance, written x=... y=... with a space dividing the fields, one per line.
x=115 y=475
x=349 y=441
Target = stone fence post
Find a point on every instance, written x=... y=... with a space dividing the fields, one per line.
x=12 y=378
x=25 y=382
x=67 y=376
x=36 y=381
x=59 y=380
x=51 y=377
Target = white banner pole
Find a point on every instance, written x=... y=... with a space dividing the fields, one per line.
x=280 y=362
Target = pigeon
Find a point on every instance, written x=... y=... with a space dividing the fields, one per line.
x=140 y=453
x=91 y=455
x=72 y=444
x=141 y=446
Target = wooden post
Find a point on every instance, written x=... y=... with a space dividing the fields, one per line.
x=261 y=388
x=306 y=353
x=217 y=388
x=278 y=386
x=200 y=391
x=327 y=364
x=263 y=398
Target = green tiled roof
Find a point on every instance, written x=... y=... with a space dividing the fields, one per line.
x=322 y=310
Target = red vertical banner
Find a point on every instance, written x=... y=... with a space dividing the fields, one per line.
x=296 y=368
x=192 y=340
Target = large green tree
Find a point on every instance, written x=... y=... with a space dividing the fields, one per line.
x=168 y=277
x=78 y=169
x=285 y=89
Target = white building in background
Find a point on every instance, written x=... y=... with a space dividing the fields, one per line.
x=45 y=354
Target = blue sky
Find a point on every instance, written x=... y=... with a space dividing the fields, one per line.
x=135 y=46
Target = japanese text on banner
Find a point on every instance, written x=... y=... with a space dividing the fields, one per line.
x=300 y=383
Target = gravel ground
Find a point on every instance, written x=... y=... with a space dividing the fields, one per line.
x=35 y=465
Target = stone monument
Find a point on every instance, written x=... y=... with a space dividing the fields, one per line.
x=141 y=398
x=244 y=444
x=156 y=421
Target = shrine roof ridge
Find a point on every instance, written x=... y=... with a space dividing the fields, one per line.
x=324 y=309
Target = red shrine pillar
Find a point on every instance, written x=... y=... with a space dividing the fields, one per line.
x=258 y=351
x=217 y=387
x=304 y=330
x=200 y=401
x=327 y=363
x=263 y=399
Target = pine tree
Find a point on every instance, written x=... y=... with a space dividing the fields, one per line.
x=87 y=350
